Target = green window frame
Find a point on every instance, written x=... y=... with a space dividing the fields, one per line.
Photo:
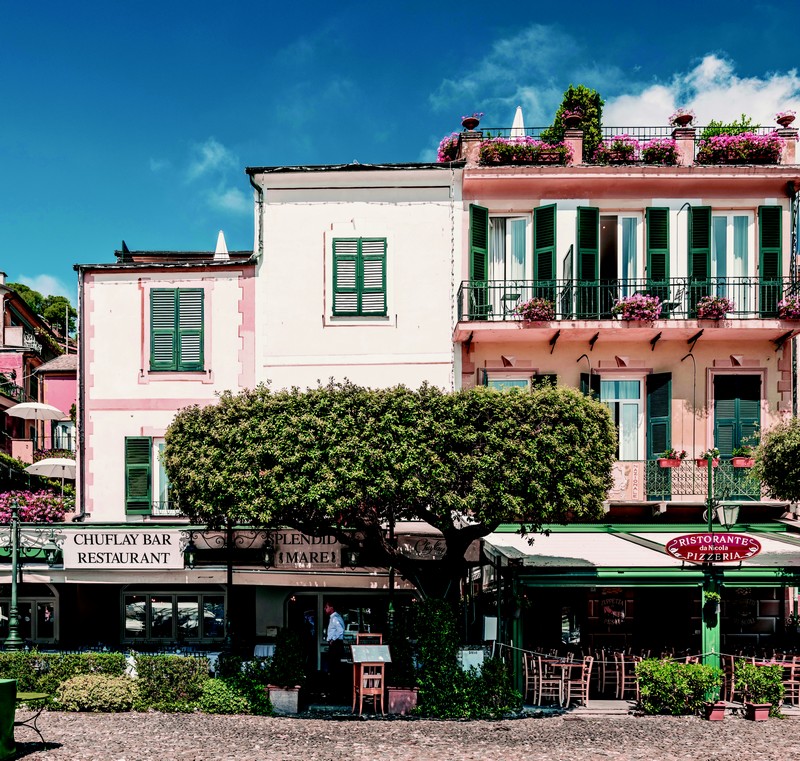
x=359 y=277
x=138 y=475
x=176 y=329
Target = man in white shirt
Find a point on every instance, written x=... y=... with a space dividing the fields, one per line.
x=335 y=638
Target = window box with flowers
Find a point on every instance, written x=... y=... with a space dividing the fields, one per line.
x=639 y=307
x=661 y=150
x=536 y=309
x=682 y=117
x=714 y=307
x=672 y=458
x=742 y=457
x=789 y=308
x=620 y=149
x=745 y=148
x=523 y=150
x=710 y=454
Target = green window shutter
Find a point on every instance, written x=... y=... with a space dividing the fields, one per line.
x=345 y=276
x=590 y=385
x=372 y=276
x=699 y=242
x=659 y=414
x=657 y=244
x=588 y=237
x=479 y=306
x=163 y=338
x=544 y=243
x=138 y=474
x=190 y=329
x=737 y=411
x=770 y=254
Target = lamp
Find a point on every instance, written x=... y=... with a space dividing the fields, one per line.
x=268 y=554
x=51 y=552
x=352 y=558
x=727 y=513
x=190 y=554
x=14 y=641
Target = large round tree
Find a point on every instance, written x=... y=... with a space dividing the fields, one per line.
x=346 y=461
x=778 y=460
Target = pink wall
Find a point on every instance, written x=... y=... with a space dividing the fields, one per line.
x=60 y=391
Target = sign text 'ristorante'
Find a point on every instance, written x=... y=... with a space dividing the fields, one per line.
x=713 y=547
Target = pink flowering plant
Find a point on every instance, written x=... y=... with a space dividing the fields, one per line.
x=618 y=149
x=789 y=307
x=714 y=307
x=680 y=114
x=639 y=307
x=745 y=148
x=660 y=150
x=571 y=113
x=35 y=506
x=674 y=454
x=523 y=150
x=448 y=148
x=536 y=309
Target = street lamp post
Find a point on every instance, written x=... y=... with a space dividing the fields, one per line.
x=14 y=641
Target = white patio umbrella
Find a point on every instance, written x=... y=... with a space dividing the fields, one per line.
x=36 y=411
x=54 y=467
x=518 y=126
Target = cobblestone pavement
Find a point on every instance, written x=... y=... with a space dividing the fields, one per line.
x=197 y=737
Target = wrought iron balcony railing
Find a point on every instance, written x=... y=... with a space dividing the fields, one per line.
x=498 y=300
x=165 y=507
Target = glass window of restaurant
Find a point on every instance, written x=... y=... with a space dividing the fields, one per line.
x=37 y=608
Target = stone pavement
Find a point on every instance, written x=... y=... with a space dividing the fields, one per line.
x=573 y=736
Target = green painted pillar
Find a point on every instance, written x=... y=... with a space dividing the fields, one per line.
x=710 y=625
x=516 y=637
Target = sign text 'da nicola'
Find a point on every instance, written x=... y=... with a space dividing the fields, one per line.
x=713 y=547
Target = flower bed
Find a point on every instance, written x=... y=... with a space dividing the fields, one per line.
x=714 y=307
x=35 y=507
x=536 y=310
x=745 y=148
x=620 y=149
x=523 y=150
x=789 y=308
x=639 y=307
x=660 y=150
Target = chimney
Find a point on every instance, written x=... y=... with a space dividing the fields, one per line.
x=221 y=252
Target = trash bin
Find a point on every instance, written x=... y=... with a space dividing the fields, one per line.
x=8 y=705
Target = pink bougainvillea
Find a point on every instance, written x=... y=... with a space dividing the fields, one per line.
x=35 y=506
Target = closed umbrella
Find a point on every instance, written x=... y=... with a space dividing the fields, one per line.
x=54 y=467
x=36 y=411
x=518 y=126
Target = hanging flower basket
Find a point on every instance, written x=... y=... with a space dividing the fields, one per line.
x=664 y=462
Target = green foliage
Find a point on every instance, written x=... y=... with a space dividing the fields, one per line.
x=170 y=683
x=584 y=99
x=736 y=127
x=777 y=461
x=401 y=671
x=340 y=459
x=494 y=692
x=288 y=663
x=98 y=692
x=675 y=688
x=51 y=308
x=219 y=696
x=760 y=684
x=32 y=298
x=249 y=679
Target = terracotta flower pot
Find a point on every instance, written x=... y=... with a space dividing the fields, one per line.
x=743 y=462
x=785 y=121
x=665 y=462
x=714 y=711
x=683 y=120
x=470 y=122
x=757 y=711
x=704 y=463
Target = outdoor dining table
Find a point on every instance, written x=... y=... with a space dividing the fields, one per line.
x=40 y=701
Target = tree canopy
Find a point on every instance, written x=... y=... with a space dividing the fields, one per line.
x=54 y=309
x=778 y=460
x=588 y=101
x=345 y=461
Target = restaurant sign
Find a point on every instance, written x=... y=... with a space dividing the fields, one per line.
x=152 y=549
x=713 y=547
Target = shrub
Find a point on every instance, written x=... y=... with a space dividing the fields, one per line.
x=789 y=307
x=736 y=127
x=660 y=151
x=536 y=309
x=675 y=688
x=778 y=460
x=590 y=104
x=98 y=692
x=218 y=696
x=288 y=663
x=619 y=148
x=495 y=695
x=523 y=150
x=745 y=148
x=249 y=679
x=760 y=684
x=640 y=306
x=170 y=682
x=35 y=507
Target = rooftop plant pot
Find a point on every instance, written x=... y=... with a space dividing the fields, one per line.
x=785 y=121
x=664 y=462
x=470 y=122
x=704 y=463
x=757 y=711
x=743 y=462
x=714 y=711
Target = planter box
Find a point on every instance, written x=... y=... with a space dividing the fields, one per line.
x=664 y=462
x=284 y=700
x=704 y=463
x=714 y=711
x=401 y=700
x=743 y=462
x=757 y=711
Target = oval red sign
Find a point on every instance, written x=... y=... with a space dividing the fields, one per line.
x=713 y=547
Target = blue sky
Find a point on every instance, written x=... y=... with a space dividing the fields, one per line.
x=135 y=121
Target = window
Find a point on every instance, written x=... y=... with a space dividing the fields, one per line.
x=503 y=380
x=359 y=277
x=146 y=481
x=37 y=619
x=173 y=617
x=64 y=435
x=176 y=329
x=624 y=400
x=508 y=261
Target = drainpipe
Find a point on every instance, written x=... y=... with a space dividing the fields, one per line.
x=80 y=435
x=794 y=194
x=259 y=242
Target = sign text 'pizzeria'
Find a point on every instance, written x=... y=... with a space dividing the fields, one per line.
x=713 y=547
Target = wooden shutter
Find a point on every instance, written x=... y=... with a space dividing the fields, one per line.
x=659 y=414
x=588 y=237
x=657 y=219
x=699 y=254
x=770 y=256
x=372 y=276
x=190 y=329
x=544 y=243
x=163 y=338
x=345 y=279
x=479 y=307
x=737 y=411
x=138 y=474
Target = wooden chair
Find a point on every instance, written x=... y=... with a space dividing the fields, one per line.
x=531 y=677
x=369 y=684
x=791 y=680
x=580 y=677
x=627 y=681
x=728 y=678
x=551 y=685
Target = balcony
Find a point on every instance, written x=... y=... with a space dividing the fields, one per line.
x=12 y=391
x=498 y=300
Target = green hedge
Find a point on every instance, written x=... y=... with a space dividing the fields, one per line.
x=170 y=682
x=675 y=689
x=98 y=692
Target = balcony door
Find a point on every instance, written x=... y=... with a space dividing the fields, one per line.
x=508 y=262
x=731 y=254
x=619 y=256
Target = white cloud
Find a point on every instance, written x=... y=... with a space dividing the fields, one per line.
x=210 y=157
x=713 y=91
x=158 y=165
x=230 y=199
x=47 y=285
x=212 y=172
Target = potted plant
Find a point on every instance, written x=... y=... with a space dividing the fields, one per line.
x=572 y=117
x=522 y=150
x=471 y=121
x=537 y=309
x=742 y=457
x=789 y=307
x=710 y=454
x=785 y=118
x=638 y=307
x=448 y=148
x=714 y=307
x=660 y=150
x=286 y=673
x=762 y=688
x=711 y=602
x=682 y=117
x=714 y=710
x=671 y=458
x=744 y=148
x=620 y=149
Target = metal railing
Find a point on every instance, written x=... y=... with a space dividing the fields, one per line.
x=12 y=391
x=688 y=480
x=165 y=507
x=499 y=300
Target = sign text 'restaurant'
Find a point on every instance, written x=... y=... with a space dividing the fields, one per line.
x=151 y=549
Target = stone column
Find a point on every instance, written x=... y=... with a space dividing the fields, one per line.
x=684 y=137
x=574 y=137
x=789 y=134
x=469 y=145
